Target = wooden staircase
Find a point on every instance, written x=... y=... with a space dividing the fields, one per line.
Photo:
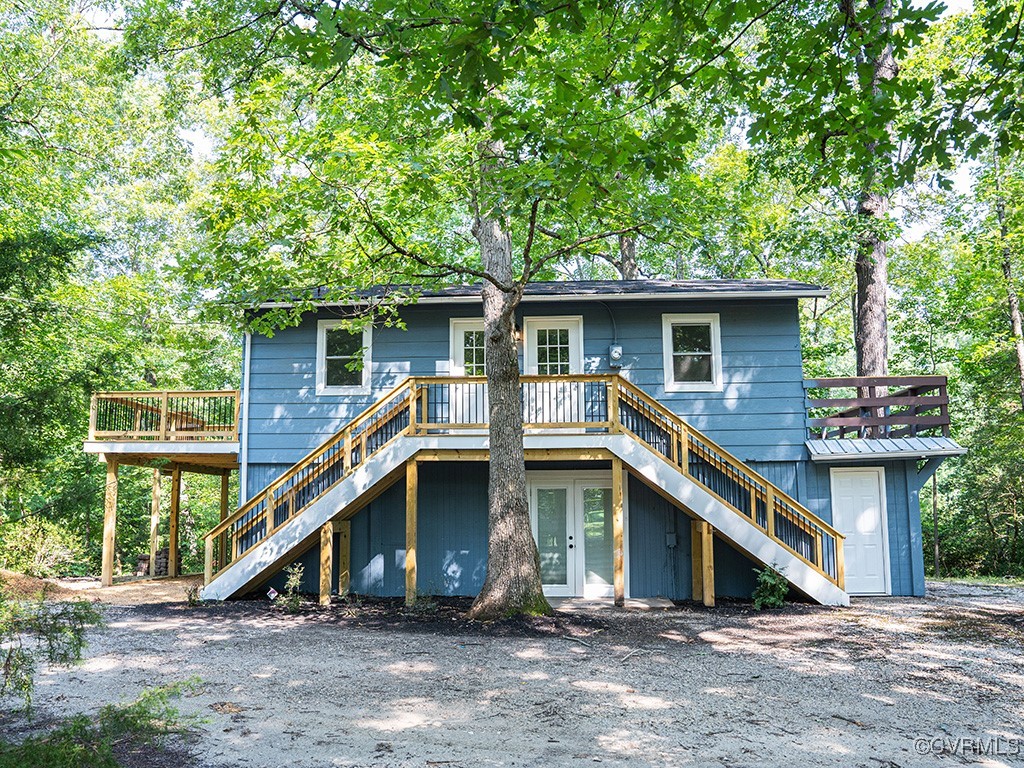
x=600 y=412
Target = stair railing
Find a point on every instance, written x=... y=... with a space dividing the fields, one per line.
x=595 y=403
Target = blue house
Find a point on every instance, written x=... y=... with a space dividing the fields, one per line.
x=673 y=446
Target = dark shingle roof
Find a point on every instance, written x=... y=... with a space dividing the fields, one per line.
x=612 y=289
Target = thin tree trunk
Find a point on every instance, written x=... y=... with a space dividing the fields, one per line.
x=1012 y=299
x=935 y=525
x=513 y=583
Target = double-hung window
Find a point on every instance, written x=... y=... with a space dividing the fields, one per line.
x=692 y=351
x=342 y=359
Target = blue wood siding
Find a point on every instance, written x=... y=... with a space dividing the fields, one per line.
x=759 y=415
x=659 y=569
x=903 y=512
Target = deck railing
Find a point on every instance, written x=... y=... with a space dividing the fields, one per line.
x=164 y=416
x=559 y=404
x=877 y=406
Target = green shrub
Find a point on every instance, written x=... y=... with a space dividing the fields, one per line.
x=84 y=742
x=772 y=587
x=291 y=600
x=40 y=548
x=34 y=630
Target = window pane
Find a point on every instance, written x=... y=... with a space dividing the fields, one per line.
x=692 y=368
x=343 y=343
x=337 y=373
x=598 y=535
x=473 y=352
x=552 y=512
x=563 y=337
x=691 y=338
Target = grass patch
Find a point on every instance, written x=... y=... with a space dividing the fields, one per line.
x=118 y=736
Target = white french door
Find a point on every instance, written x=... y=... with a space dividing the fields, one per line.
x=573 y=527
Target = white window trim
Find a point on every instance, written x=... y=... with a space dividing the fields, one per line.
x=834 y=472
x=322 y=327
x=574 y=323
x=671 y=385
x=456 y=351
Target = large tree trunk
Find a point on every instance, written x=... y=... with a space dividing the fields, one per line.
x=1012 y=299
x=513 y=584
x=627 y=257
x=871 y=331
x=872 y=328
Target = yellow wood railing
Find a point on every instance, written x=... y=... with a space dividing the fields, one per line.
x=161 y=415
x=592 y=403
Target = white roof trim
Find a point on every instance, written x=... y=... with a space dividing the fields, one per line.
x=707 y=295
x=831 y=450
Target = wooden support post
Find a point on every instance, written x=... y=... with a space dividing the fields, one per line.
x=703 y=551
x=109 y=525
x=163 y=416
x=618 y=551
x=840 y=564
x=613 y=405
x=769 y=503
x=225 y=481
x=326 y=562
x=207 y=561
x=344 y=530
x=154 y=523
x=172 y=538
x=411 y=499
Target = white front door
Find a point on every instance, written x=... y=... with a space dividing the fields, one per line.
x=573 y=527
x=858 y=512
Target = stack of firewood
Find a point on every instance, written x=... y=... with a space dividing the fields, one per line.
x=162 y=555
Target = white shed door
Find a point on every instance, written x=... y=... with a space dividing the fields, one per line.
x=858 y=512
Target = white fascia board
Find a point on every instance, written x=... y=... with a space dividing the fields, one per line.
x=213 y=447
x=688 y=295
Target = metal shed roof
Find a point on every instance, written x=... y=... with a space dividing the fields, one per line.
x=839 y=450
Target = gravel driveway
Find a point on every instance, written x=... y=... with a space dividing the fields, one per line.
x=370 y=685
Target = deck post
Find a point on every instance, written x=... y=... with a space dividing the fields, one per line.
x=225 y=480
x=411 y=499
x=172 y=539
x=344 y=530
x=618 y=551
x=703 y=551
x=326 y=561
x=154 y=523
x=109 y=525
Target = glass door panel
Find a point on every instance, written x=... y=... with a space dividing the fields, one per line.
x=554 y=518
x=598 y=541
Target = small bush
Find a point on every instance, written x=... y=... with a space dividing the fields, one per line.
x=192 y=598
x=84 y=742
x=40 y=548
x=35 y=630
x=291 y=600
x=772 y=588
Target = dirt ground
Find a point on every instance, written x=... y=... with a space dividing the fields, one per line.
x=372 y=685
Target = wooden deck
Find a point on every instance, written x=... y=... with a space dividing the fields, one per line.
x=878 y=407
x=173 y=433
